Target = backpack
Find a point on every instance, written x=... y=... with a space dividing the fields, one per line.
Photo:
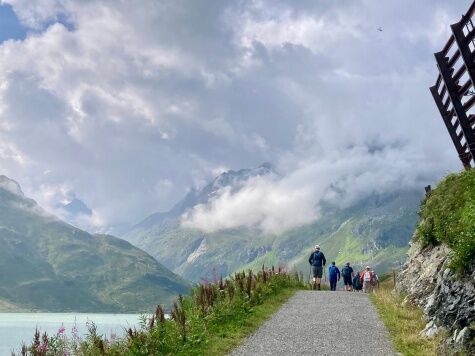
x=356 y=282
x=368 y=276
x=345 y=271
x=316 y=256
x=332 y=270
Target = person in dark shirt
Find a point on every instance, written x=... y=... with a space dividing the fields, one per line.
x=348 y=274
x=333 y=276
x=317 y=261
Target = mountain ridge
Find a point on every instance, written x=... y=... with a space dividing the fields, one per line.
x=377 y=230
x=49 y=265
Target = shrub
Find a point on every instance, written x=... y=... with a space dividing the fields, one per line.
x=447 y=215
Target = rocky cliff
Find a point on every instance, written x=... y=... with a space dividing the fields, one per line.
x=447 y=297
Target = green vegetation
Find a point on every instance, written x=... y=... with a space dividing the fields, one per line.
x=374 y=231
x=48 y=265
x=212 y=321
x=404 y=323
x=448 y=216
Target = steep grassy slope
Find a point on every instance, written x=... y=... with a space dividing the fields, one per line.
x=48 y=265
x=448 y=216
x=375 y=231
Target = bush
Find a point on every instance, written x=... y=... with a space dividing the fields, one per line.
x=448 y=216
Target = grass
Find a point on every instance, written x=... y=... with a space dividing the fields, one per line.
x=211 y=321
x=448 y=216
x=404 y=323
x=231 y=335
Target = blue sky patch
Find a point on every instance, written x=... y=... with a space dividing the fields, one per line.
x=10 y=26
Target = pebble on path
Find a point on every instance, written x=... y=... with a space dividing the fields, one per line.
x=321 y=323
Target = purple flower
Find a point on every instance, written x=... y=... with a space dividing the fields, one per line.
x=61 y=330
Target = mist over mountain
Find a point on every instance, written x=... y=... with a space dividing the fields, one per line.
x=230 y=179
x=373 y=229
x=76 y=207
x=194 y=90
x=48 y=265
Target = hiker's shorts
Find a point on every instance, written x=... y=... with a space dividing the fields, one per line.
x=347 y=280
x=317 y=271
x=367 y=286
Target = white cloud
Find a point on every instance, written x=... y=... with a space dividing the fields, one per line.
x=272 y=206
x=112 y=97
x=277 y=27
x=275 y=204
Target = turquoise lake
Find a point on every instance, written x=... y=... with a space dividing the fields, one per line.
x=16 y=328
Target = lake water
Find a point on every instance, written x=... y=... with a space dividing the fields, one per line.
x=16 y=328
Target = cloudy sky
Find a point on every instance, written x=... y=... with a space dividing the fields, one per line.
x=128 y=104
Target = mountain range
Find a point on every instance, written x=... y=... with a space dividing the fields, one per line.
x=49 y=265
x=374 y=230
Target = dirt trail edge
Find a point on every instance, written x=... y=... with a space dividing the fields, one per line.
x=321 y=323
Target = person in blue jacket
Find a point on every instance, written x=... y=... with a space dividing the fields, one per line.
x=318 y=261
x=333 y=275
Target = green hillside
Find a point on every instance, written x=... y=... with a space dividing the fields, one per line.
x=373 y=231
x=448 y=216
x=48 y=265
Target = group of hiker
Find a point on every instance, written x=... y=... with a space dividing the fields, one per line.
x=365 y=280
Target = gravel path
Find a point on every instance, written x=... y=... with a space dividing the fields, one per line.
x=321 y=323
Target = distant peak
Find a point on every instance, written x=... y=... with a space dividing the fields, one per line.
x=10 y=185
x=267 y=165
x=77 y=206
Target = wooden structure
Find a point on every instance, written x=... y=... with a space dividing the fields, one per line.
x=454 y=90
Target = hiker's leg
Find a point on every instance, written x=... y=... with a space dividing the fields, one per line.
x=317 y=283
x=319 y=274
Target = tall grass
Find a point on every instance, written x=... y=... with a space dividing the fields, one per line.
x=404 y=322
x=198 y=324
x=448 y=216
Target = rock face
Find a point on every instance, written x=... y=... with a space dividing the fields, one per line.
x=446 y=297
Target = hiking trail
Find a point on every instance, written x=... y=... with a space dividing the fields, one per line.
x=321 y=323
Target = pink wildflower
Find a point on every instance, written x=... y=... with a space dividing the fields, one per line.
x=61 y=330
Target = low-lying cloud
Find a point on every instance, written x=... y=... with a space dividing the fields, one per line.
x=274 y=204
x=129 y=104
